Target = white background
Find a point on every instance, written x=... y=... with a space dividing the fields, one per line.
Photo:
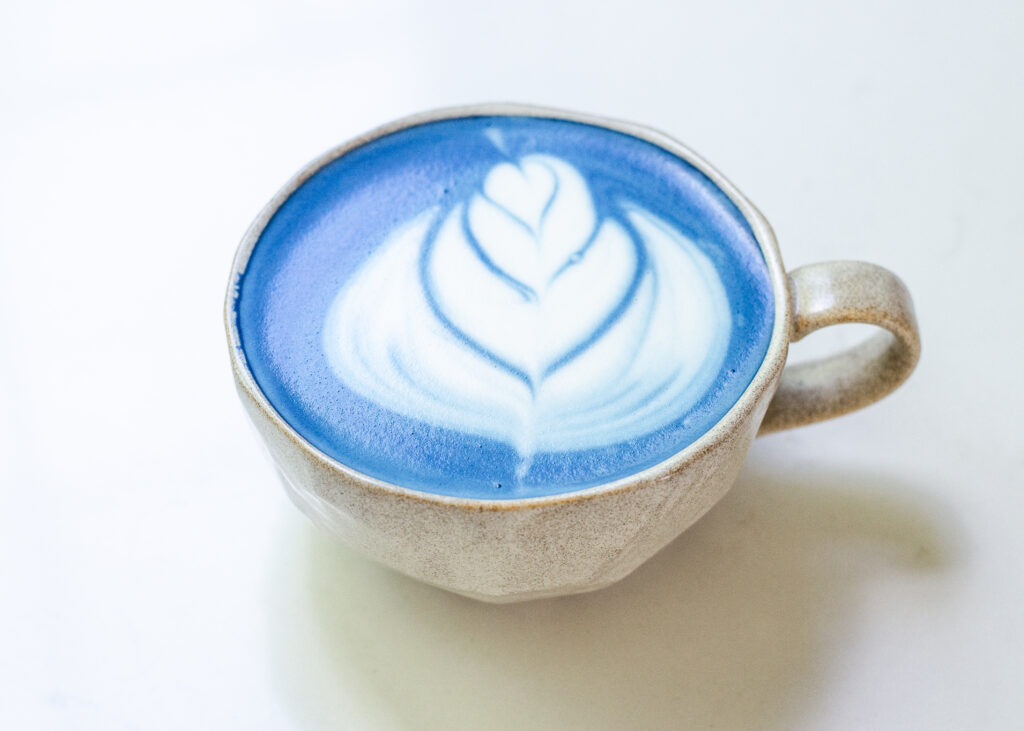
x=864 y=573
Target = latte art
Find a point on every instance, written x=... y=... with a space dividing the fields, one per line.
x=529 y=314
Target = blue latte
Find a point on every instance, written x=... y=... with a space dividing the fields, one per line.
x=503 y=307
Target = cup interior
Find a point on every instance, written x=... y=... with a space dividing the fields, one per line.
x=342 y=279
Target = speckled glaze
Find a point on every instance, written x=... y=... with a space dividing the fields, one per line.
x=516 y=549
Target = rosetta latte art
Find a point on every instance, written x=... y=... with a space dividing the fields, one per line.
x=527 y=315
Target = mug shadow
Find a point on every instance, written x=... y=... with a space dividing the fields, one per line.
x=735 y=625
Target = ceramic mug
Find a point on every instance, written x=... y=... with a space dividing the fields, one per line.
x=514 y=549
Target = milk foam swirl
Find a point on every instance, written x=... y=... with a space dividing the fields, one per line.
x=526 y=315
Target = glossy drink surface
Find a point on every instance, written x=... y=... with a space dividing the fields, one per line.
x=502 y=307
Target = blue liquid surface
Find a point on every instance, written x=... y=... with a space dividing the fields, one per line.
x=317 y=240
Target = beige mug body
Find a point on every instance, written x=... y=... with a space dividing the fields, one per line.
x=516 y=549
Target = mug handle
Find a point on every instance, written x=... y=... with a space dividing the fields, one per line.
x=835 y=293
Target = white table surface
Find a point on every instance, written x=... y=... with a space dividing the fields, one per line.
x=864 y=573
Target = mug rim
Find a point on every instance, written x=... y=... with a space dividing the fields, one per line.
x=765 y=376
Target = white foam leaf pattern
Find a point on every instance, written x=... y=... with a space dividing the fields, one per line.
x=530 y=318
